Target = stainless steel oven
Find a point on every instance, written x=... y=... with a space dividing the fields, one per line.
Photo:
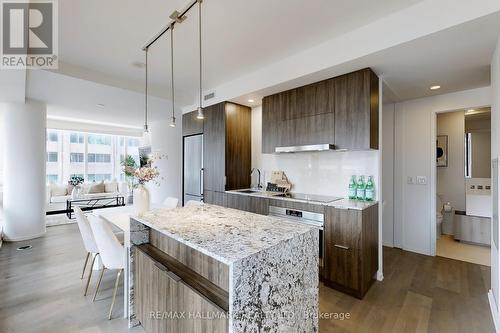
x=305 y=217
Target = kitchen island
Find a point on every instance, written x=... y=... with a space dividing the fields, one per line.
x=207 y=268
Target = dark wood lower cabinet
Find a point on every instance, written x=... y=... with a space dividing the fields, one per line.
x=161 y=298
x=247 y=203
x=213 y=198
x=351 y=249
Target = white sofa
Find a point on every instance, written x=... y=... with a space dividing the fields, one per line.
x=57 y=194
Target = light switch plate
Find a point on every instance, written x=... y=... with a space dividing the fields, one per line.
x=410 y=180
x=421 y=180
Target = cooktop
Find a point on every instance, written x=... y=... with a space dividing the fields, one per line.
x=309 y=197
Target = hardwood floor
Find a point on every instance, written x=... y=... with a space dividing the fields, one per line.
x=419 y=294
x=41 y=291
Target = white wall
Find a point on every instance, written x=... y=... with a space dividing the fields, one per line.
x=451 y=179
x=167 y=141
x=494 y=296
x=414 y=212
x=388 y=174
x=324 y=173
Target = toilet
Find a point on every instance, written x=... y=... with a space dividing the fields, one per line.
x=439 y=215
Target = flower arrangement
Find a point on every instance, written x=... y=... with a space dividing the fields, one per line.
x=75 y=180
x=146 y=174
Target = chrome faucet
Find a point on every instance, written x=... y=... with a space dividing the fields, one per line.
x=259 y=185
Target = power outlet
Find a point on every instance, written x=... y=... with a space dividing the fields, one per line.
x=421 y=180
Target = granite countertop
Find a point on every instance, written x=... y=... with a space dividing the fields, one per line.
x=342 y=203
x=226 y=234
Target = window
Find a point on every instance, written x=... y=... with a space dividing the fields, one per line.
x=76 y=157
x=52 y=156
x=52 y=136
x=99 y=158
x=52 y=179
x=133 y=142
x=95 y=139
x=76 y=138
x=97 y=177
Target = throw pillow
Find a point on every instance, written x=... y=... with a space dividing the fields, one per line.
x=111 y=187
x=58 y=190
x=97 y=188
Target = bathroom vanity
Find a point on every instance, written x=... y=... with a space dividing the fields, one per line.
x=207 y=268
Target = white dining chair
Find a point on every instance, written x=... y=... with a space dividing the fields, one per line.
x=110 y=251
x=88 y=242
x=170 y=202
x=193 y=203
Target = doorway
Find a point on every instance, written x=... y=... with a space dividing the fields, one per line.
x=462 y=192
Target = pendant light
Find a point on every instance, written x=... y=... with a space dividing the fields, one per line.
x=172 y=120
x=146 y=136
x=200 y=114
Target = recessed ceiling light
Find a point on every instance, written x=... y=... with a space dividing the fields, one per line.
x=251 y=101
x=100 y=105
x=435 y=87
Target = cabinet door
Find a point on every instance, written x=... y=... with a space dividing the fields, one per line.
x=238 y=120
x=356 y=110
x=214 y=148
x=191 y=125
x=342 y=247
x=213 y=198
x=155 y=292
x=271 y=123
x=248 y=203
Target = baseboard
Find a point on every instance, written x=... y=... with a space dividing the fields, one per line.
x=6 y=239
x=494 y=311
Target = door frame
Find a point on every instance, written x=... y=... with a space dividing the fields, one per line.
x=433 y=178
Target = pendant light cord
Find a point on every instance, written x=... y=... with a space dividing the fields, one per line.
x=199 y=29
x=146 y=95
x=172 y=68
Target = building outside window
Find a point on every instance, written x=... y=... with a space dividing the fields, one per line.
x=92 y=177
x=52 y=156
x=52 y=136
x=99 y=158
x=52 y=179
x=77 y=138
x=97 y=139
x=76 y=157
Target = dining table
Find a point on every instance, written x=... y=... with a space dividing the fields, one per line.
x=119 y=218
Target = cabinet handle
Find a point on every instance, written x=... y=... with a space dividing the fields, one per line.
x=173 y=276
x=160 y=266
x=341 y=247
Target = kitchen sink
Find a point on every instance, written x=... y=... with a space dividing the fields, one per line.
x=248 y=191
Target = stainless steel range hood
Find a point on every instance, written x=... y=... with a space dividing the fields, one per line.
x=307 y=148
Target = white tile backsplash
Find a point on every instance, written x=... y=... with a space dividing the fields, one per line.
x=326 y=173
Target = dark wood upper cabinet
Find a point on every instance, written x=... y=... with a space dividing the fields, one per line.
x=356 y=110
x=342 y=111
x=226 y=147
x=191 y=125
x=214 y=148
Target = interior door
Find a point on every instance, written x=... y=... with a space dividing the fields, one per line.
x=193 y=168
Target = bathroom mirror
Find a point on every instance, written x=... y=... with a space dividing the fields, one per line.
x=477 y=143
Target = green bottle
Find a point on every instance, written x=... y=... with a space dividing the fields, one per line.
x=352 y=188
x=360 y=188
x=370 y=189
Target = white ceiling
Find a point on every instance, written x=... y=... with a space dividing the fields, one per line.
x=240 y=36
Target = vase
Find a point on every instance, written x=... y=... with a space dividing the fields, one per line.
x=141 y=199
x=76 y=193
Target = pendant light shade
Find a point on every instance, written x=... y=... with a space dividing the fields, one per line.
x=146 y=136
x=200 y=114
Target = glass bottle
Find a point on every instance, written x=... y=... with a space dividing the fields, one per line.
x=360 y=188
x=370 y=189
x=352 y=188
